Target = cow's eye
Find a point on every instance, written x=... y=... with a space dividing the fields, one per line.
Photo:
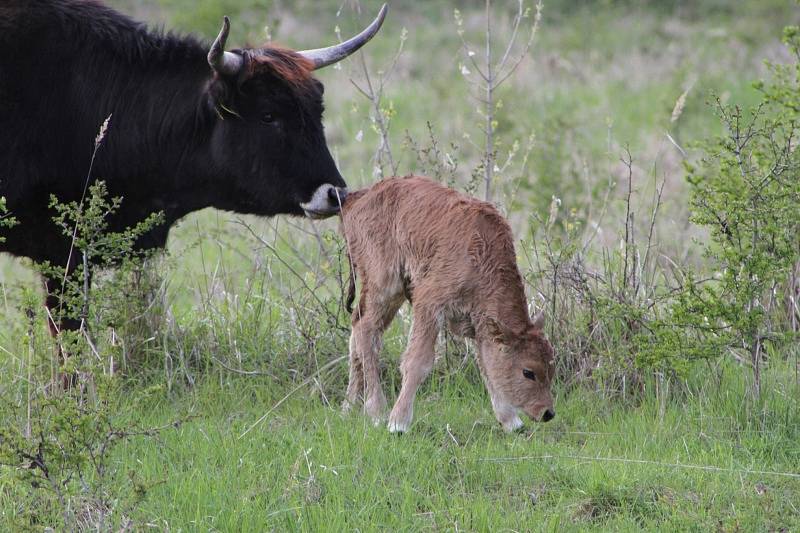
x=529 y=374
x=268 y=118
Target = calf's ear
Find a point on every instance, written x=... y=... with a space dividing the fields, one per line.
x=538 y=321
x=498 y=332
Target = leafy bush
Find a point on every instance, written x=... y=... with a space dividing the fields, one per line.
x=59 y=442
x=746 y=192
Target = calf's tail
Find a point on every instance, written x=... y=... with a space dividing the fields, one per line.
x=351 y=287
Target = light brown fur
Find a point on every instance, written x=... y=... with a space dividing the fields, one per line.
x=453 y=257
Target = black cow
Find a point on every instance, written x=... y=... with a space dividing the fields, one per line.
x=193 y=126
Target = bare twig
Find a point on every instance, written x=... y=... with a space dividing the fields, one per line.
x=328 y=365
x=373 y=91
x=492 y=75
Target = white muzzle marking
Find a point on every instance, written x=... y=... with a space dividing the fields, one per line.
x=321 y=205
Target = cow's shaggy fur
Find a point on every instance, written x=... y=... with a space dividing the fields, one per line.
x=453 y=258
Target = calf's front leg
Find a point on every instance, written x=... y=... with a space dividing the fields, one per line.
x=416 y=364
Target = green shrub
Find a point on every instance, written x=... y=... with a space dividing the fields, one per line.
x=745 y=191
x=58 y=443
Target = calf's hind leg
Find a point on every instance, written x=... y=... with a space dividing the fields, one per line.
x=375 y=312
x=355 y=384
x=416 y=364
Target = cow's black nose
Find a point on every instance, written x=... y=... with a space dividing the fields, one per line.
x=548 y=415
x=337 y=194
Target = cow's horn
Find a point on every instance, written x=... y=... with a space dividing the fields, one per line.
x=322 y=57
x=225 y=63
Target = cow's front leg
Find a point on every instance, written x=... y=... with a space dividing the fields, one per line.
x=416 y=364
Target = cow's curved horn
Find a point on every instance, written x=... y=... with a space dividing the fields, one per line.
x=225 y=63
x=322 y=57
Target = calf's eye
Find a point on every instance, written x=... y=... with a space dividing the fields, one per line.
x=268 y=118
x=529 y=374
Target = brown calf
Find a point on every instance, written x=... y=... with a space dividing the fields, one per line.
x=453 y=258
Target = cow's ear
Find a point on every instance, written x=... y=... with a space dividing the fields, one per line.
x=221 y=100
x=538 y=321
x=498 y=332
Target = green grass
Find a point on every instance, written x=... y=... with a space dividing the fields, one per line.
x=599 y=466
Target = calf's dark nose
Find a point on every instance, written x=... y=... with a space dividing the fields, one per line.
x=337 y=194
x=548 y=415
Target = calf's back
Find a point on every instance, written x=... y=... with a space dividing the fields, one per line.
x=445 y=247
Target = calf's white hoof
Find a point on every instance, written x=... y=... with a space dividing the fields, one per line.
x=398 y=427
x=376 y=408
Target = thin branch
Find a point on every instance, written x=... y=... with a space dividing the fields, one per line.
x=326 y=366
x=710 y=468
x=526 y=50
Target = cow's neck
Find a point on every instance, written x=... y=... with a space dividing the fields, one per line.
x=164 y=122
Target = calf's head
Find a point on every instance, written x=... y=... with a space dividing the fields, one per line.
x=268 y=143
x=519 y=368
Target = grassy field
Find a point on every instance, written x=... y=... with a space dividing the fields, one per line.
x=241 y=343
x=695 y=464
